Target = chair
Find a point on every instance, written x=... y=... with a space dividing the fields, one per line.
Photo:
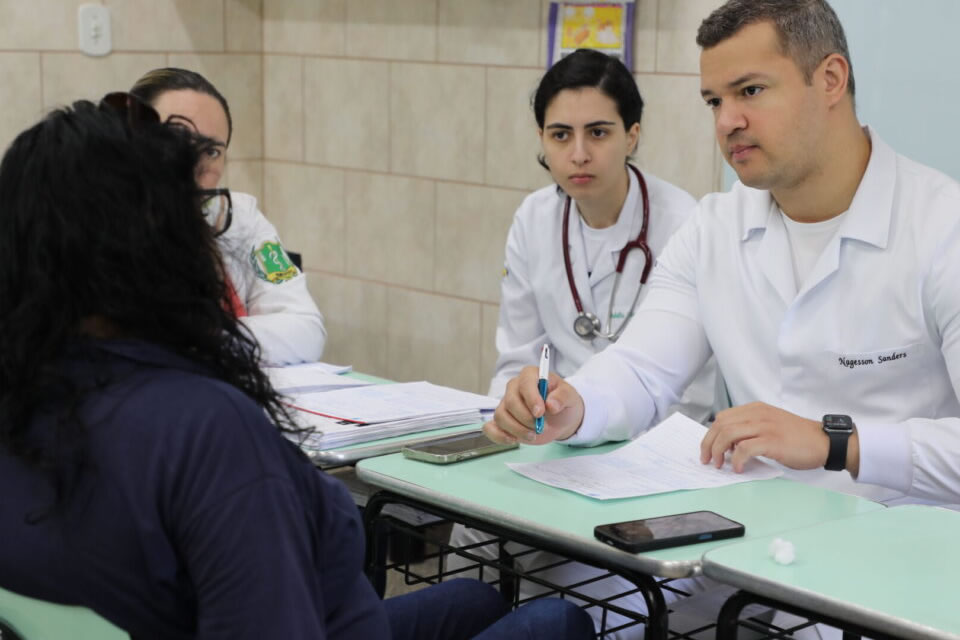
x=23 y=618
x=296 y=259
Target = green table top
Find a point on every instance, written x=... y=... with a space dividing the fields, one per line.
x=485 y=488
x=893 y=570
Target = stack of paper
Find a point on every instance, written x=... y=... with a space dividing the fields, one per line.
x=360 y=414
x=315 y=376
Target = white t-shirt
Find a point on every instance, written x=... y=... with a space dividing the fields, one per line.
x=807 y=242
x=596 y=241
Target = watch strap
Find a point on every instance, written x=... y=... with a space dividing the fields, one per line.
x=837 y=458
x=838 y=428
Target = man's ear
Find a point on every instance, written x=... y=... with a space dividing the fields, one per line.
x=835 y=70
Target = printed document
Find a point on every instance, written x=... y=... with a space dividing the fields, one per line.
x=665 y=458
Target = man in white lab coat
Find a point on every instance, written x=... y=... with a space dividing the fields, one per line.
x=825 y=282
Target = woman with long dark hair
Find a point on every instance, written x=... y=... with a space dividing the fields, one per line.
x=143 y=472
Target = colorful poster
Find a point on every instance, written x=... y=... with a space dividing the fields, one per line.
x=604 y=26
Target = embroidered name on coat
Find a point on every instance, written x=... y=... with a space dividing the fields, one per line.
x=853 y=363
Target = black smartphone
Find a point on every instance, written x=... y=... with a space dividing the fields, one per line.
x=455 y=448
x=667 y=531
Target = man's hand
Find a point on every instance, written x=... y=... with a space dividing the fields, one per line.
x=758 y=429
x=515 y=417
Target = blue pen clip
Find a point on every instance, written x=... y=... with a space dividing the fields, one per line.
x=542 y=382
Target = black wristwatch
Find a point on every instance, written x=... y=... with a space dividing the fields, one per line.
x=838 y=428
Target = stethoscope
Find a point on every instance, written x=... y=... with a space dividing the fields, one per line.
x=587 y=325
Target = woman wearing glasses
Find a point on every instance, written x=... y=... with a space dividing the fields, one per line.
x=270 y=293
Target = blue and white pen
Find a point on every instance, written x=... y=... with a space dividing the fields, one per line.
x=542 y=382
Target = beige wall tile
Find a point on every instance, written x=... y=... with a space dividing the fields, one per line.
x=488 y=344
x=283 y=107
x=20 y=28
x=245 y=176
x=166 y=25
x=436 y=125
x=347 y=113
x=306 y=205
x=244 y=25
x=472 y=226
x=512 y=143
x=432 y=338
x=645 y=35
x=676 y=137
x=296 y=26
x=489 y=32
x=238 y=77
x=23 y=105
x=355 y=316
x=394 y=29
x=544 y=27
x=71 y=76
x=677 y=49
x=390 y=229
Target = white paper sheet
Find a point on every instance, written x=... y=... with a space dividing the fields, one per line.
x=385 y=402
x=665 y=458
x=304 y=378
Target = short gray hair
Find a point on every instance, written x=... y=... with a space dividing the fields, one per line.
x=808 y=30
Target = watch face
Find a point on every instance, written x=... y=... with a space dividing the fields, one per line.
x=838 y=423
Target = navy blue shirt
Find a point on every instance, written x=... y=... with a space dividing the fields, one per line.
x=195 y=519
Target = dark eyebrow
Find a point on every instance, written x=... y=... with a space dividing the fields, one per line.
x=745 y=78
x=597 y=123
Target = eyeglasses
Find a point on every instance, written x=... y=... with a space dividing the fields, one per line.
x=217 y=208
x=134 y=110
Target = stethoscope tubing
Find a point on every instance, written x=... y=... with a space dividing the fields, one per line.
x=587 y=325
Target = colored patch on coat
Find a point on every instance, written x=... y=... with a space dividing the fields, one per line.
x=272 y=264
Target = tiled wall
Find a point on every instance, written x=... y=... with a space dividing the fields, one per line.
x=390 y=141
x=41 y=66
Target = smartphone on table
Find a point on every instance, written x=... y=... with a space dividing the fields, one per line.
x=462 y=446
x=667 y=531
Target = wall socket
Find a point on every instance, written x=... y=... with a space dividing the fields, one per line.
x=93 y=28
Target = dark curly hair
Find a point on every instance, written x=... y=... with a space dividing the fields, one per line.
x=102 y=221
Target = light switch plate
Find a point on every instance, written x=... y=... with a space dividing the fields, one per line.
x=93 y=28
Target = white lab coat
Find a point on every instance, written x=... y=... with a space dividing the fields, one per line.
x=874 y=332
x=282 y=316
x=536 y=305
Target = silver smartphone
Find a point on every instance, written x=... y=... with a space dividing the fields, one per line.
x=462 y=446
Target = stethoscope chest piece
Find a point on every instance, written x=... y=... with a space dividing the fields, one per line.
x=586 y=325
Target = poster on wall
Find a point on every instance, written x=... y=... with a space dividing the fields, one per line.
x=604 y=26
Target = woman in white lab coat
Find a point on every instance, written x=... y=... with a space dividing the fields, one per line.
x=568 y=239
x=560 y=277
x=270 y=295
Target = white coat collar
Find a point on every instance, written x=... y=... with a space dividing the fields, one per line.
x=867 y=220
x=627 y=227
